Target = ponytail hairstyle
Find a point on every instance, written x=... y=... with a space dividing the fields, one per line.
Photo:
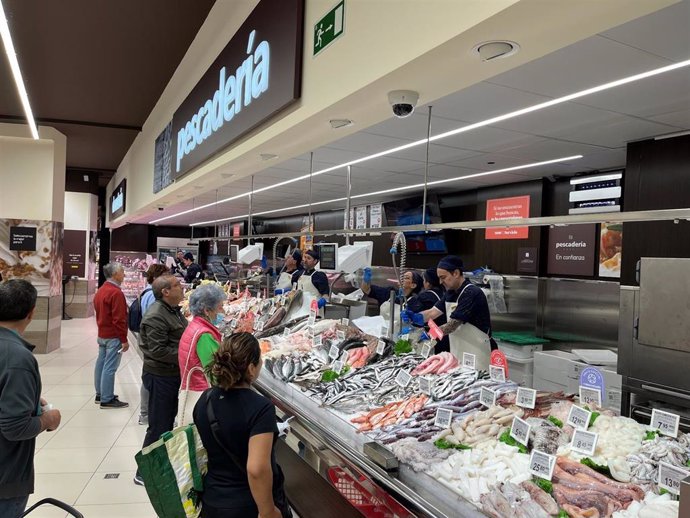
x=230 y=365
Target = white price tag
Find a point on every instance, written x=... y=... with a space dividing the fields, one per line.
x=444 y=416
x=286 y=332
x=344 y=356
x=579 y=418
x=590 y=396
x=317 y=340
x=334 y=352
x=519 y=430
x=665 y=422
x=526 y=397
x=584 y=442
x=405 y=337
x=233 y=323
x=311 y=321
x=670 y=477
x=425 y=385
x=260 y=326
x=487 y=397
x=380 y=347
x=541 y=464
x=403 y=378
x=497 y=373
x=340 y=335
x=338 y=366
x=345 y=321
x=469 y=360
x=426 y=350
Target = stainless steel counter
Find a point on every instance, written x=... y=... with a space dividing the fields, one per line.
x=329 y=440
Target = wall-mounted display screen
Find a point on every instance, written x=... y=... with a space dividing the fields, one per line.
x=409 y=212
x=117 y=200
x=329 y=256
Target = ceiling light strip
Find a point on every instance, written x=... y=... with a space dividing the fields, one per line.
x=398 y=189
x=464 y=129
x=16 y=72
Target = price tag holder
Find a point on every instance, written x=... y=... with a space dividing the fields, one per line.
x=286 y=332
x=317 y=341
x=405 y=337
x=670 y=477
x=497 y=373
x=340 y=335
x=590 y=396
x=233 y=323
x=426 y=350
x=260 y=326
x=469 y=361
x=380 y=347
x=526 y=397
x=403 y=378
x=444 y=416
x=584 y=442
x=338 y=366
x=579 y=418
x=519 y=430
x=425 y=385
x=334 y=352
x=487 y=397
x=541 y=464
x=665 y=422
x=345 y=321
x=311 y=321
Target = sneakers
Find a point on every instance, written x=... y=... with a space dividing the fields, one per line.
x=144 y=420
x=115 y=403
x=97 y=399
x=138 y=480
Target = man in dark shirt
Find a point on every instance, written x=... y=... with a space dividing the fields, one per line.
x=161 y=330
x=22 y=414
x=312 y=281
x=194 y=271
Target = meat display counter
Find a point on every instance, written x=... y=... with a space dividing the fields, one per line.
x=332 y=447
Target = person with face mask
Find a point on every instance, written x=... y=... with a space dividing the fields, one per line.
x=311 y=281
x=198 y=343
x=291 y=270
x=463 y=303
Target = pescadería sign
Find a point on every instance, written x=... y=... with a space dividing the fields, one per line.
x=255 y=76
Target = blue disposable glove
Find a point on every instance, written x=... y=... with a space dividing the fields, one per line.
x=322 y=302
x=424 y=336
x=367 y=276
x=264 y=262
x=281 y=291
x=394 y=250
x=410 y=316
x=406 y=315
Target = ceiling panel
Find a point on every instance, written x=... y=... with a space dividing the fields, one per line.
x=616 y=132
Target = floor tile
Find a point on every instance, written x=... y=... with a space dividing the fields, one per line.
x=63 y=486
x=69 y=460
x=95 y=417
x=131 y=436
x=85 y=389
x=121 y=490
x=117 y=511
x=67 y=402
x=84 y=438
x=119 y=458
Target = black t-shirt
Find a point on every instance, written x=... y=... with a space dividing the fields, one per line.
x=241 y=414
x=470 y=306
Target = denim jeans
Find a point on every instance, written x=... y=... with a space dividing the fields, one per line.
x=13 y=507
x=106 y=366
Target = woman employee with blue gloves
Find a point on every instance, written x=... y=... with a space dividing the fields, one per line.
x=312 y=281
x=463 y=303
x=290 y=272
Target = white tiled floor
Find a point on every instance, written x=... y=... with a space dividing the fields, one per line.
x=71 y=463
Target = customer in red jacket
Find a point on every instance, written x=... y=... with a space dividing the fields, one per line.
x=111 y=317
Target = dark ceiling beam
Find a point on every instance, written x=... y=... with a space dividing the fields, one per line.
x=41 y=120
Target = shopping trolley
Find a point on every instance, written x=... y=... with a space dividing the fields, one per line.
x=51 y=501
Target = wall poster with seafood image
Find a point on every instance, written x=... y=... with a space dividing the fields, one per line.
x=42 y=267
x=610 y=249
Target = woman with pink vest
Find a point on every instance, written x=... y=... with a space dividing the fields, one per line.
x=198 y=343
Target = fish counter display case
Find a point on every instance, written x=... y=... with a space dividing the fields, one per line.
x=367 y=473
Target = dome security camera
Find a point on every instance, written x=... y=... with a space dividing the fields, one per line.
x=403 y=102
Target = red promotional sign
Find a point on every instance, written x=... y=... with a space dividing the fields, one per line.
x=236 y=230
x=314 y=306
x=507 y=208
x=498 y=359
x=435 y=331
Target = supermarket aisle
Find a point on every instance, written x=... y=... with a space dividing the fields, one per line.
x=72 y=462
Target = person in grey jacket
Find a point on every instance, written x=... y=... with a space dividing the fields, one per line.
x=23 y=413
x=161 y=329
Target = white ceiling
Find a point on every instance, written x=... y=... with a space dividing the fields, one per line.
x=597 y=126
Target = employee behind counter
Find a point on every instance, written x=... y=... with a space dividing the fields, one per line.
x=312 y=281
x=418 y=294
x=462 y=303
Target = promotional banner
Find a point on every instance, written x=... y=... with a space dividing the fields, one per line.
x=571 y=250
x=610 y=249
x=507 y=208
x=74 y=253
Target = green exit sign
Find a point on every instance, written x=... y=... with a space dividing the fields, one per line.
x=328 y=28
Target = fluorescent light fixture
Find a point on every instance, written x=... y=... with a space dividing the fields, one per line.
x=463 y=129
x=14 y=65
x=398 y=189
